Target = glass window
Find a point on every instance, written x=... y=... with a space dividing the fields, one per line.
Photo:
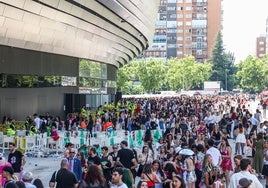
x=171 y=24
x=179 y=15
x=180 y=23
x=188 y=23
x=188 y=8
x=188 y=15
x=179 y=52
x=180 y=8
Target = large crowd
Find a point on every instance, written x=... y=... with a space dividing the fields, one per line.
x=206 y=141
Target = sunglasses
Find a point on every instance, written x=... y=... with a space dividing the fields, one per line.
x=71 y=152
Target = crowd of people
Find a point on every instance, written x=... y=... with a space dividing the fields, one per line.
x=195 y=150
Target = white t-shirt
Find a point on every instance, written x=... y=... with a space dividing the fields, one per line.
x=216 y=155
x=121 y=186
x=234 y=181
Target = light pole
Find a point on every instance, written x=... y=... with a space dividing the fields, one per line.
x=226 y=79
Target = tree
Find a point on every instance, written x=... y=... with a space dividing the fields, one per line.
x=186 y=73
x=151 y=74
x=252 y=74
x=123 y=79
x=223 y=65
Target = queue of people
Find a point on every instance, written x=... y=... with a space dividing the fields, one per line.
x=195 y=149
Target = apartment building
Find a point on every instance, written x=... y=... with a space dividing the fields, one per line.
x=261 y=46
x=186 y=27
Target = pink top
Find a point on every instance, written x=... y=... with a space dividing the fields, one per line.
x=5 y=163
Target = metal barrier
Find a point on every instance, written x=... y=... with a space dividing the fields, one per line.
x=35 y=144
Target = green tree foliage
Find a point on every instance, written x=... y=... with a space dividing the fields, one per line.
x=252 y=74
x=186 y=73
x=223 y=65
x=151 y=73
x=123 y=79
x=155 y=74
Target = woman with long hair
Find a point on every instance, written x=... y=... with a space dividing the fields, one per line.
x=237 y=160
x=162 y=157
x=216 y=134
x=170 y=171
x=209 y=172
x=81 y=157
x=94 y=178
x=226 y=164
x=200 y=140
x=178 y=182
x=250 y=151
x=144 y=158
x=142 y=184
x=189 y=175
x=240 y=140
x=158 y=171
x=149 y=176
x=148 y=139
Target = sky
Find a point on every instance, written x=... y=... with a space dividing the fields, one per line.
x=243 y=22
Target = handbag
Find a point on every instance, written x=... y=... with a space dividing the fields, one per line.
x=140 y=169
x=150 y=186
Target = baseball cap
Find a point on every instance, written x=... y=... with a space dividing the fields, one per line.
x=244 y=182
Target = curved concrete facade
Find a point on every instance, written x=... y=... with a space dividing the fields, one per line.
x=40 y=38
x=108 y=31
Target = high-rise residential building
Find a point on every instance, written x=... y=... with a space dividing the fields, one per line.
x=261 y=46
x=186 y=27
x=267 y=34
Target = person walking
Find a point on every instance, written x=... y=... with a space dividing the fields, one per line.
x=75 y=164
x=126 y=156
x=258 y=158
x=63 y=178
x=226 y=164
x=16 y=159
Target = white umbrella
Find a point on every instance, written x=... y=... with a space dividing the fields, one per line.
x=186 y=152
x=178 y=149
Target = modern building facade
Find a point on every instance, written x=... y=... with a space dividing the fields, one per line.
x=186 y=27
x=58 y=55
x=261 y=46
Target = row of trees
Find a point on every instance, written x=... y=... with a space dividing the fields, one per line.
x=146 y=76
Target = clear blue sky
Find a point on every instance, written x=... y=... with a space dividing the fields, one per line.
x=243 y=22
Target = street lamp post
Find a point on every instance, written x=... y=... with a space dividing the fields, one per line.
x=226 y=79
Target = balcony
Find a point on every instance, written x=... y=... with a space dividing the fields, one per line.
x=200 y=4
